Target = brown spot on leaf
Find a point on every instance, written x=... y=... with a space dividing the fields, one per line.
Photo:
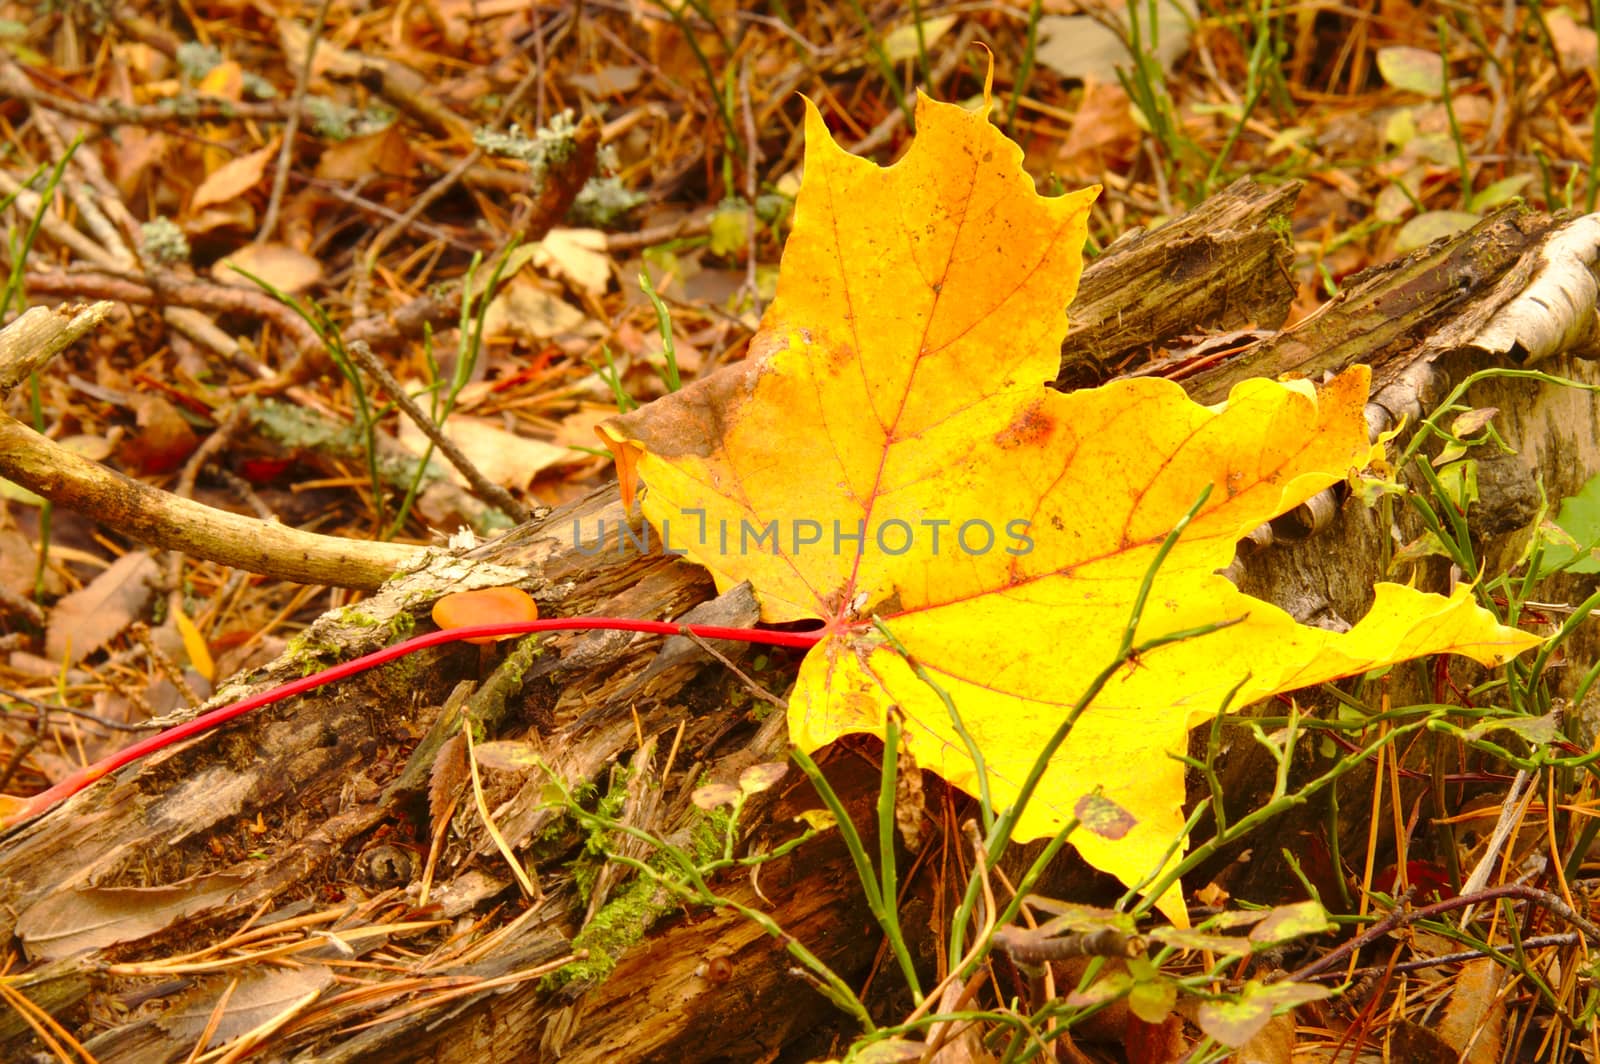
x=1027 y=429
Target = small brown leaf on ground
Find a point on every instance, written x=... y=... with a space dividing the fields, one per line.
x=234 y=214
x=18 y=562
x=528 y=312
x=579 y=255
x=507 y=459
x=1273 y=1044
x=87 y=619
x=445 y=781
x=1575 y=45
x=162 y=441
x=1474 y=1019
x=133 y=154
x=277 y=264
x=385 y=153
x=1103 y=135
x=94 y=917
x=260 y=995
x=1415 y=1044
x=962 y=1043
x=232 y=179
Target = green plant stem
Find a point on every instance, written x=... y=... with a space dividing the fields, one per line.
x=669 y=347
x=1450 y=115
x=1260 y=62
x=470 y=347
x=1000 y=837
x=981 y=768
x=1024 y=69
x=366 y=422
x=872 y=886
x=924 y=71
x=889 y=889
x=1253 y=820
x=613 y=380
x=675 y=12
x=886 y=68
x=21 y=253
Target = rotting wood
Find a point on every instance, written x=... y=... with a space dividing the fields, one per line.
x=1223 y=266
x=312 y=772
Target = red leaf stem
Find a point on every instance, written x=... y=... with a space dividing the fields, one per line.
x=76 y=782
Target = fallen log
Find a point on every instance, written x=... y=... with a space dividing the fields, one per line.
x=318 y=875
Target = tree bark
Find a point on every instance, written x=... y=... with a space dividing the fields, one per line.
x=292 y=819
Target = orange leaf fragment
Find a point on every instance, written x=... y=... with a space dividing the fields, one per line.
x=487 y=605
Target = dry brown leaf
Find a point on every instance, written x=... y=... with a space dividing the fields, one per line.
x=90 y=617
x=1084 y=47
x=162 y=440
x=18 y=563
x=577 y=428
x=1474 y=1020
x=527 y=312
x=507 y=459
x=607 y=80
x=261 y=994
x=1103 y=134
x=1575 y=45
x=1415 y=1044
x=277 y=264
x=233 y=178
x=450 y=772
x=386 y=152
x=234 y=214
x=90 y=445
x=579 y=255
x=964 y=1044
x=329 y=57
x=95 y=917
x=1273 y=1044
x=132 y=154
x=226 y=80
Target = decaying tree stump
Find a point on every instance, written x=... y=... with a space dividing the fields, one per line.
x=312 y=819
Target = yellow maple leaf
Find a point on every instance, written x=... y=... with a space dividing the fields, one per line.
x=889 y=450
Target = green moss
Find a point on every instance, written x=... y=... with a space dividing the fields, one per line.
x=633 y=909
x=706 y=833
x=556 y=831
x=309 y=654
x=585 y=871
x=621 y=923
x=610 y=807
x=585 y=868
x=402 y=624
